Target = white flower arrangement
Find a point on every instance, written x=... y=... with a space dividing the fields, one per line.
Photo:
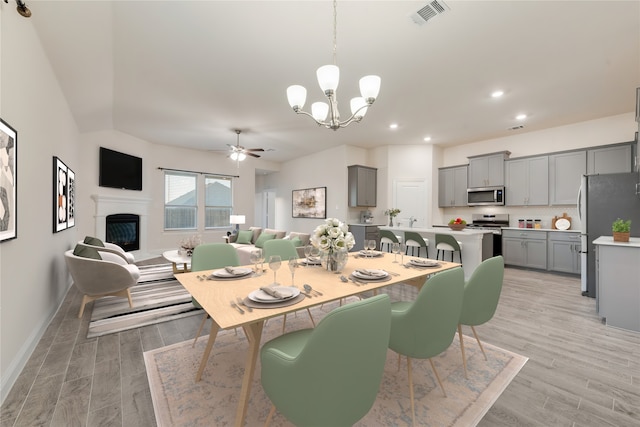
x=333 y=235
x=190 y=243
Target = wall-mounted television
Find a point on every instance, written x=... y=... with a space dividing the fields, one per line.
x=120 y=170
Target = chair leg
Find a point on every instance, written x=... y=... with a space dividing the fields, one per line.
x=437 y=377
x=85 y=300
x=464 y=358
x=129 y=298
x=479 y=343
x=271 y=412
x=204 y=319
x=311 y=317
x=413 y=410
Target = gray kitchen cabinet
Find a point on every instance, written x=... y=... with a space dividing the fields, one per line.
x=452 y=186
x=363 y=186
x=362 y=232
x=525 y=248
x=527 y=181
x=565 y=172
x=564 y=252
x=487 y=170
x=610 y=159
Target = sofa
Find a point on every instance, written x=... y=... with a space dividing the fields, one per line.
x=247 y=240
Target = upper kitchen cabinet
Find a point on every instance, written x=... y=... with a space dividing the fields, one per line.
x=452 y=186
x=610 y=159
x=487 y=170
x=363 y=186
x=565 y=172
x=527 y=181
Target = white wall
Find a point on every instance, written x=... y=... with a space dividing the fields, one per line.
x=33 y=275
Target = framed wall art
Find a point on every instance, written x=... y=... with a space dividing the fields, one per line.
x=8 y=182
x=64 y=192
x=309 y=203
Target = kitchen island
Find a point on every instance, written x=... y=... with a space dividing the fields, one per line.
x=477 y=245
x=618 y=282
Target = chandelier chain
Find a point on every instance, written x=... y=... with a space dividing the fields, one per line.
x=335 y=32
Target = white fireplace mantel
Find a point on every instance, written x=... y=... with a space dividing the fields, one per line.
x=110 y=205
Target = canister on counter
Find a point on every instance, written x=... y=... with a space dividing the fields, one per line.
x=529 y=223
x=537 y=224
x=521 y=223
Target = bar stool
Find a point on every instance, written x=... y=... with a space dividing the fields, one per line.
x=414 y=240
x=446 y=242
x=387 y=237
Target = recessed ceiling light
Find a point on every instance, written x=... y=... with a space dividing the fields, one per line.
x=427 y=138
x=521 y=116
x=497 y=93
x=393 y=126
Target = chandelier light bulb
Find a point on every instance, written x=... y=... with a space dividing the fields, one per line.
x=370 y=87
x=358 y=106
x=319 y=111
x=328 y=78
x=297 y=96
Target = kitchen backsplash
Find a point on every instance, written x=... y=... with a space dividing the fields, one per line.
x=543 y=213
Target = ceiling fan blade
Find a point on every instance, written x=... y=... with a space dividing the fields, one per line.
x=254 y=149
x=251 y=154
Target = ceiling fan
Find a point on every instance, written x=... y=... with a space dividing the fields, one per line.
x=238 y=152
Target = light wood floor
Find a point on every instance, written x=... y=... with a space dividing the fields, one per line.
x=580 y=372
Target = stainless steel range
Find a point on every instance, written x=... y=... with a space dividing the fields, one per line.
x=494 y=223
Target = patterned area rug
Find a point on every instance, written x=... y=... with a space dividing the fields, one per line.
x=178 y=400
x=157 y=297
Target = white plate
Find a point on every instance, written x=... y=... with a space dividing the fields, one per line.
x=240 y=272
x=261 y=296
x=377 y=274
x=424 y=263
x=370 y=253
x=563 y=224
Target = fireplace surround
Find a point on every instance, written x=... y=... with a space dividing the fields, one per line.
x=113 y=205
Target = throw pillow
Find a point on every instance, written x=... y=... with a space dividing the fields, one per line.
x=86 y=252
x=263 y=238
x=296 y=242
x=93 y=241
x=244 y=237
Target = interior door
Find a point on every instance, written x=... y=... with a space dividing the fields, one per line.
x=410 y=197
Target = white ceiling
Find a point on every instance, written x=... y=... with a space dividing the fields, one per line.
x=187 y=73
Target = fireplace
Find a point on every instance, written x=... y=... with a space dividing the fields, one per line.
x=123 y=230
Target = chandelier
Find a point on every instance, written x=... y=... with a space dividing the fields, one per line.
x=328 y=79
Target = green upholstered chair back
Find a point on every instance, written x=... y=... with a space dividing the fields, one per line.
x=482 y=292
x=213 y=255
x=388 y=234
x=426 y=327
x=330 y=375
x=449 y=240
x=285 y=248
x=415 y=237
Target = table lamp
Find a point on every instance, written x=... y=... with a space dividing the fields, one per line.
x=237 y=220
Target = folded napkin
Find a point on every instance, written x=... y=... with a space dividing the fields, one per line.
x=280 y=294
x=372 y=273
x=233 y=271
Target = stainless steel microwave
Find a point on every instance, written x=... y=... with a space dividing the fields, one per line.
x=486 y=196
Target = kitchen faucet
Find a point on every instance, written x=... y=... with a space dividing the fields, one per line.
x=411 y=221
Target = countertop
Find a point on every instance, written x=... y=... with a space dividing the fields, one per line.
x=359 y=224
x=447 y=230
x=541 y=229
x=634 y=242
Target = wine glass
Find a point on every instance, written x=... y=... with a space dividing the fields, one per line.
x=315 y=252
x=293 y=264
x=274 y=264
x=307 y=252
x=403 y=249
x=255 y=257
x=372 y=245
x=395 y=248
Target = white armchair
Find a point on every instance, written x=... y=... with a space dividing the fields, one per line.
x=97 y=278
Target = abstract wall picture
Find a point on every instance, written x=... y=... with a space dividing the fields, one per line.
x=8 y=182
x=63 y=196
x=309 y=203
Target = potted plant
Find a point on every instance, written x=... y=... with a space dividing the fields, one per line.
x=393 y=212
x=621 y=230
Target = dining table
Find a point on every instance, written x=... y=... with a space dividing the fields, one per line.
x=223 y=299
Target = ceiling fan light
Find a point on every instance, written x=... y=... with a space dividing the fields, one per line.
x=241 y=156
x=358 y=103
x=328 y=78
x=233 y=156
x=319 y=111
x=370 y=87
x=297 y=95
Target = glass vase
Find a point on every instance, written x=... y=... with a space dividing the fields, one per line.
x=334 y=260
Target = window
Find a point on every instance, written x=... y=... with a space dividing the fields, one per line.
x=217 y=201
x=180 y=201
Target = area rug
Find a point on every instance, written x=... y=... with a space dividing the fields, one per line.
x=157 y=297
x=179 y=401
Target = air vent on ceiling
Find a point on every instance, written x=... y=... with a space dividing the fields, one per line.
x=431 y=10
x=516 y=127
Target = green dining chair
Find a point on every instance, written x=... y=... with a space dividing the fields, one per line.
x=414 y=241
x=481 y=296
x=330 y=375
x=424 y=328
x=387 y=237
x=448 y=243
x=207 y=257
x=287 y=250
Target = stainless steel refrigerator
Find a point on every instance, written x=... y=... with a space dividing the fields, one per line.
x=603 y=199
